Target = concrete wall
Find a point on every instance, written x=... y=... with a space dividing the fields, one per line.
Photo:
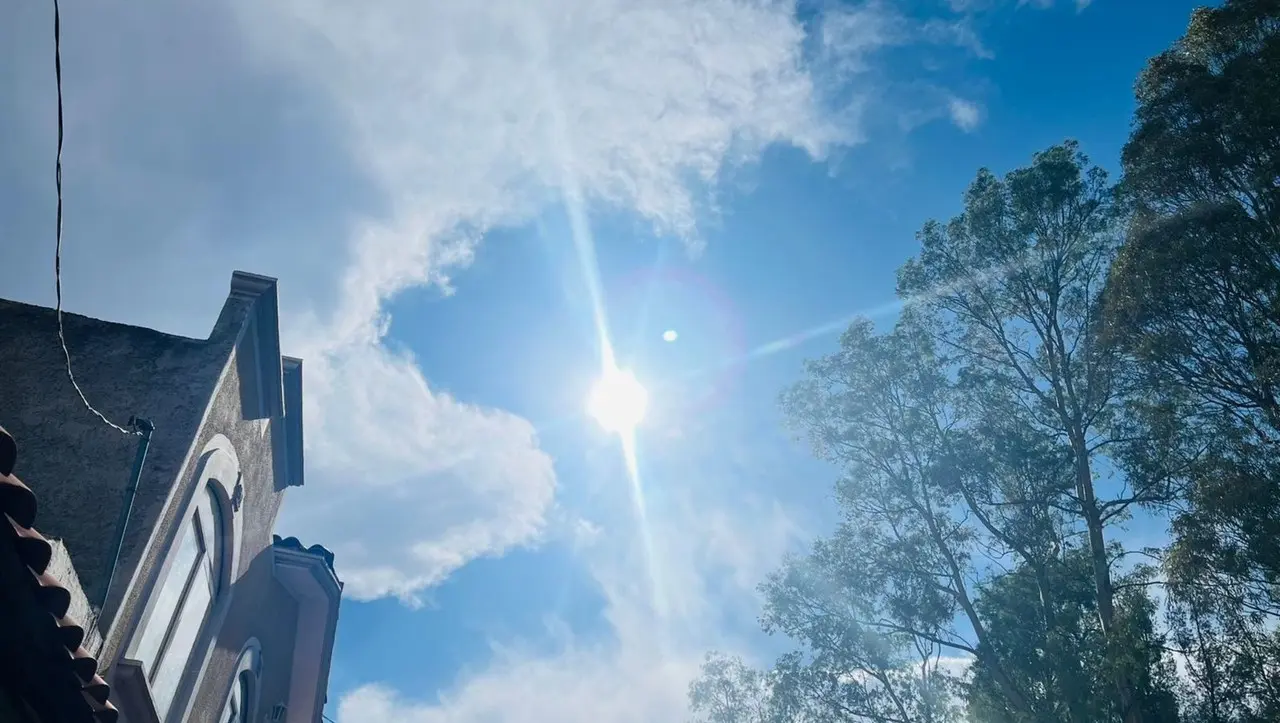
x=260 y=607
x=140 y=565
x=77 y=466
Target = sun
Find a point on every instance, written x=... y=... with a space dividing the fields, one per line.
x=618 y=402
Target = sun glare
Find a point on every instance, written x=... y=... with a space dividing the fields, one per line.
x=618 y=401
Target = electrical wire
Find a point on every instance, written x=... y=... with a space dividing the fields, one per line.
x=57 y=253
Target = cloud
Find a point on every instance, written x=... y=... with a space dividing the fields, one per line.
x=965 y=114
x=430 y=483
x=642 y=674
x=971 y=6
x=356 y=152
x=469 y=116
x=580 y=686
x=959 y=33
x=1080 y=5
x=965 y=6
x=850 y=34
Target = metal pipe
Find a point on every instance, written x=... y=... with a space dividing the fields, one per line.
x=144 y=429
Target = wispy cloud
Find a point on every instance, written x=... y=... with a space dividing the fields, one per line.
x=641 y=674
x=969 y=6
x=959 y=32
x=474 y=115
x=965 y=114
x=360 y=151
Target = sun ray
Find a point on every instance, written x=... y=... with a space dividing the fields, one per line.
x=584 y=247
x=838 y=325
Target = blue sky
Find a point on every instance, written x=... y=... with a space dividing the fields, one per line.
x=749 y=174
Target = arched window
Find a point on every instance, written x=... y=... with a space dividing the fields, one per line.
x=237 y=708
x=183 y=599
x=243 y=697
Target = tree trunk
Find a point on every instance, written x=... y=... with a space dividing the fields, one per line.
x=1062 y=689
x=1131 y=711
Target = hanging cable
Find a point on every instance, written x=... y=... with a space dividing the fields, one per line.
x=57 y=252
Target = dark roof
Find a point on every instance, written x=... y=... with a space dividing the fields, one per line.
x=70 y=659
x=293 y=543
x=128 y=371
x=125 y=371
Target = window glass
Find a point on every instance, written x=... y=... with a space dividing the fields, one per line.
x=168 y=642
x=237 y=708
x=233 y=712
x=183 y=641
x=243 y=687
x=168 y=596
x=212 y=525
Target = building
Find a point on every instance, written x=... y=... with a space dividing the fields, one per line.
x=155 y=552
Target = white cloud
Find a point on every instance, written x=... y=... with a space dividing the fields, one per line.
x=640 y=676
x=969 y=6
x=959 y=33
x=965 y=114
x=580 y=686
x=851 y=33
x=412 y=483
x=186 y=160
x=964 y=6
x=1080 y=5
x=358 y=151
x=471 y=115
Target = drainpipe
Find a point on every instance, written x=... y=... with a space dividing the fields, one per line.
x=144 y=428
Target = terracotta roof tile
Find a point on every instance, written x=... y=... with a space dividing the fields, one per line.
x=18 y=504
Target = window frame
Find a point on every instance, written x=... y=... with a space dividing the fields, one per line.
x=244 y=684
x=212 y=487
x=206 y=527
x=191 y=526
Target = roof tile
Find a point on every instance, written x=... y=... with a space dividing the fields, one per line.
x=18 y=504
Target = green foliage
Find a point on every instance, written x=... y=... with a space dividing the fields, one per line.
x=874 y=605
x=728 y=691
x=1067 y=655
x=1069 y=351
x=1014 y=284
x=1195 y=297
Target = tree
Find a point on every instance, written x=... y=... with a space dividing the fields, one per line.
x=1078 y=663
x=1015 y=284
x=1195 y=297
x=1227 y=657
x=1068 y=351
x=876 y=604
x=944 y=484
x=729 y=691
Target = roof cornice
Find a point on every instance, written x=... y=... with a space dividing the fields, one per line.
x=262 y=293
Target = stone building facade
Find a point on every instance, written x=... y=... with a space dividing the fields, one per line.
x=192 y=609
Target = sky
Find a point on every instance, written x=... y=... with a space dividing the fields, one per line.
x=464 y=203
